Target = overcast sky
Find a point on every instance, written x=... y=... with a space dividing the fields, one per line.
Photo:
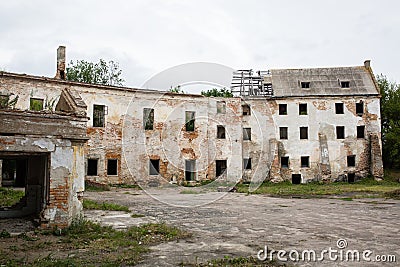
x=147 y=37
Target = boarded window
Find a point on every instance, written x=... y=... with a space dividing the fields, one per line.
x=36 y=104
x=305 y=84
x=340 y=132
x=190 y=170
x=246 y=133
x=283 y=132
x=361 y=131
x=247 y=163
x=246 y=110
x=302 y=109
x=345 y=84
x=339 y=108
x=296 y=178
x=92 y=167
x=148 y=118
x=305 y=161
x=284 y=162
x=189 y=121
x=220 y=167
x=98 y=115
x=154 y=166
x=303 y=132
x=351 y=161
x=360 y=108
x=220 y=132
x=112 y=167
x=221 y=107
x=282 y=109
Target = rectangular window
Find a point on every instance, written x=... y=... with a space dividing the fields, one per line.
x=360 y=108
x=189 y=121
x=98 y=115
x=305 y=84
x=339 y=108
x=92 y=167
x=361 y=131
x=148 y=118
x=246 y=133
x=305 y=162
x=220 y=167
x=283 y=132
x=112 y=167
x=351 y=161
x=221 y=107
x=302 y=109
x=247 y=163
x=345 y=84
x=284 y=162
x=220 y=132
x=303 y=132
x=340 y=132
x=282 y=109
x=154 y=167
x=36 y=104
x=246 y=110
x=190 y=170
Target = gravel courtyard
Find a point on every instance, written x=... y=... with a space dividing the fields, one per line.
x=232 y=224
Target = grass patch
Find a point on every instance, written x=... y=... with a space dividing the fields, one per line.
x=87 y=243
x=367 y=187
x=133 y=186
x=137 y=215
x=235 y=262
x=93 y=205
x=9 y=197
x=395 y=194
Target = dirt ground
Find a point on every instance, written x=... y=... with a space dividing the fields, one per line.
x=240 y=225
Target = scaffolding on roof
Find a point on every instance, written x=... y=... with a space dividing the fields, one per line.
x=250 y=83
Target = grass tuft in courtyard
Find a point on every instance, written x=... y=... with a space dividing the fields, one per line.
x=93 y=205
x=9 y=196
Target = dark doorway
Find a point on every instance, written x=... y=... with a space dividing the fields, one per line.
x=190 y=170
x=351 y=177
x=296 y=178
x=220 y=167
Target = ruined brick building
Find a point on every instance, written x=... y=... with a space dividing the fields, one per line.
x=285 y=124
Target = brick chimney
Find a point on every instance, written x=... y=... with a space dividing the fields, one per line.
x=61 y=63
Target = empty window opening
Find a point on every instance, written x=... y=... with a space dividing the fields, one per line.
x=351 y=161
x=221 y=107
x=351 y=177
x=305 y=84
x=220 y=132
x=246 y=133
x=98 y=115
x=62 y=75
x=247 y=163
x=339 y=108
x=361 y=131
x=190 y=170
x=112 y=167
x=345 y=84
x=303 y=132
x=296 y=178
x=302 y=109
x=305 y=161
x=189 y=121
x=340 y=132
x=220 y=167
x=92 y=167
x=154 y=167
x=283 y=132
x=246 y=110
x=284 y=162
x=360 y=108
x=36 y=104
x=282 y=109
x=148 y=118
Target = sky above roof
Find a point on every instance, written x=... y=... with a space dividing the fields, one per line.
x=147 y=37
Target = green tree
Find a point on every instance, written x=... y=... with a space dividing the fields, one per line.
x=176 y=90
x=390 y=110
x=96 y=73
x=223 y=92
